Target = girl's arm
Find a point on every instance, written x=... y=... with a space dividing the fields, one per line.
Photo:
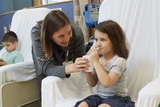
x=91 y=78
x=105 y=79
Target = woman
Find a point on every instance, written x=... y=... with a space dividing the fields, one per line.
x=58 y=45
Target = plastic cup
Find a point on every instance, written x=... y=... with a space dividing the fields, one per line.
x=91 y=65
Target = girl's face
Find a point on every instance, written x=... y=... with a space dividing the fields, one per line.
x=62 y=36
x=9 y=46
x=103 y=44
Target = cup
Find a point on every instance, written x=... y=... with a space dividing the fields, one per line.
x=91 y=65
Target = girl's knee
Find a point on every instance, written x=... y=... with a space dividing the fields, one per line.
x=104 y=105
x=83 y=104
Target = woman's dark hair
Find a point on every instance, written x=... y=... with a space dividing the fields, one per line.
x=10 y=36
x=53 y=21
x=116 y=35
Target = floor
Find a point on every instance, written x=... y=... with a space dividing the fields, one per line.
x=34 y=104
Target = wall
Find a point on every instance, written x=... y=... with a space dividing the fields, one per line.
x=6 y=6
x=12 y=5
x=1 y=6
x=20 y=4
x=67 y=7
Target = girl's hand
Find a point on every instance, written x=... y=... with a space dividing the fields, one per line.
x=94 y=56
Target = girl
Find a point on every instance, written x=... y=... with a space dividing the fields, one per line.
x=110 y=69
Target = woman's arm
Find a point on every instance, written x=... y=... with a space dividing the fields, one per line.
x=78 y=50
x=49 y=67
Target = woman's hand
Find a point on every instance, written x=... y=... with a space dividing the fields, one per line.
x=80 y=64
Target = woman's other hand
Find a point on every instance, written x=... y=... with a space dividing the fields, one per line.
x=81 y=64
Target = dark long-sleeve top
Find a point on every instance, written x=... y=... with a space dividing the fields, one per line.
x=54 y=66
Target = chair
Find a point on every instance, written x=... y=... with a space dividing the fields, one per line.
x=149 y=95
x=21 y=88
x=142 y=31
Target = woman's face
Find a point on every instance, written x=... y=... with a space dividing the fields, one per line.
x=62 y=36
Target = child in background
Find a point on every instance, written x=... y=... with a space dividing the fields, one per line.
x=110 y=68
x=11 y=56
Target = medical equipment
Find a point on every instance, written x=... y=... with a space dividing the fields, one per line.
x=91 y=12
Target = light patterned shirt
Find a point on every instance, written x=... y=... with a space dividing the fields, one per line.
x=12 y=57
x=116 y=64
